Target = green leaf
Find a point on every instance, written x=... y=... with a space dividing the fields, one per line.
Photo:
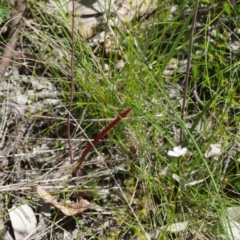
x=227 y=8
x=4 y=11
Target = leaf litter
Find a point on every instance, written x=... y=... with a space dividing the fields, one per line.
x=41 y=157
x=31 y=105
x=69 y=208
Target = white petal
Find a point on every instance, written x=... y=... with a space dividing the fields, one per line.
x=23 y=221
x=183 y=151
x=177 y=149
x=172 y=153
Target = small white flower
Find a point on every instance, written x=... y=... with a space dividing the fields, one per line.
x=177 y=151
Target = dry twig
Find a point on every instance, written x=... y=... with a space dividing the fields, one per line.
x=11 y=45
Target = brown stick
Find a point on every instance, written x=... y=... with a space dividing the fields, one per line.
x=11 y=45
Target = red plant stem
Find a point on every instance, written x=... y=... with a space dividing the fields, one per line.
x=96 y=140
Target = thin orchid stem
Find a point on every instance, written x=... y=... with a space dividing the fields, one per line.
x=71 y=89
x=186 y=80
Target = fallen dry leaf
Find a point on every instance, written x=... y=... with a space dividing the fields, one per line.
x=92 y=14
x=214 y=150
x=230 y=222
x=69 y=208
x=175 y=227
